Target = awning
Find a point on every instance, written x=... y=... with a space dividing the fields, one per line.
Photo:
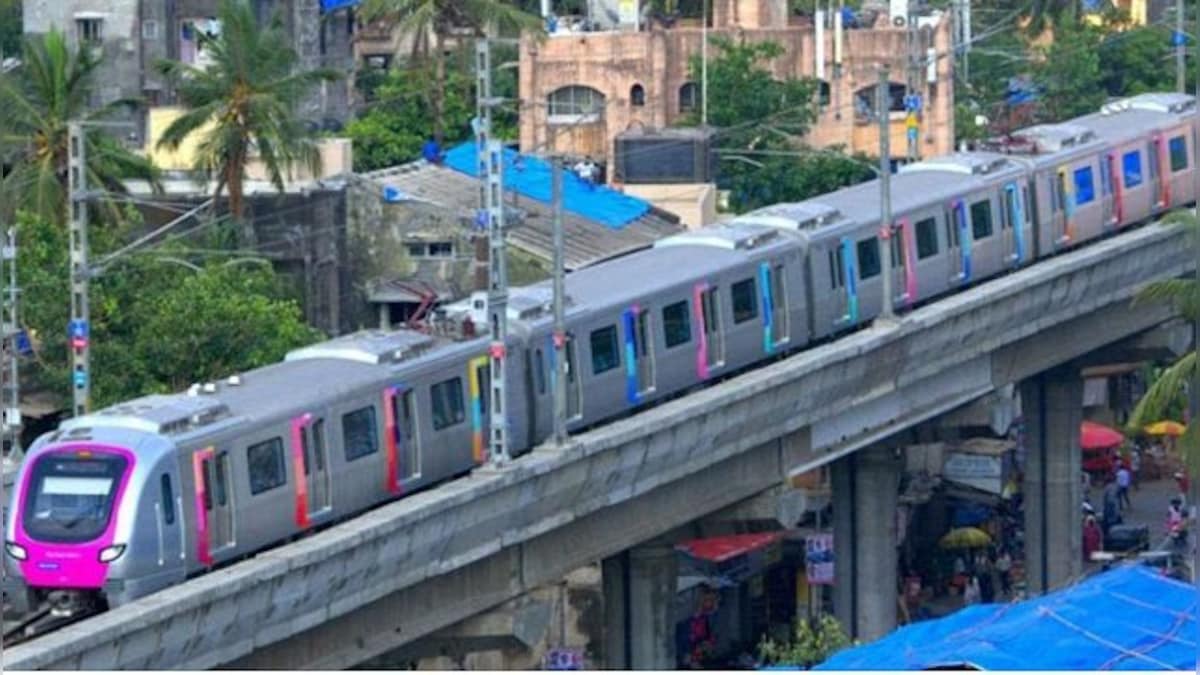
x=720 y=549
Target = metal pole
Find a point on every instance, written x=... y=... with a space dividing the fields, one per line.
x=910 y=79
x=77 y=209
x=560 y=323
x=491 y=167
x=704 y=64
x=1180 y=85
x=885 y=188
x=12 y=325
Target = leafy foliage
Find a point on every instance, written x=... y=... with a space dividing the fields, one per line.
x=10 y=27
x=196 y=325
x=1164 y=396
x=812 y=642
x=52 y=87
x=1069 y=75
x=1137 y=61
x=762 y=123
x=250 y=93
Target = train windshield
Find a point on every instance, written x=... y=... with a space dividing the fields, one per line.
x=71 y=496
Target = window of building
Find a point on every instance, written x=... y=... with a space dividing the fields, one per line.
x=1131 y=165
x=637 y=95
x=868 y=258
x=1085 y=191
x=378 y=61
x=822 y=93
x=604 y=350
x=359 y=434
x=927 y=240
x=689 y=97
x=416 y=250
x=90 y=31
x=149 y=29
x=981 y=219
x=677 y=325
x=576 y=104
x=448 y=407
x=265 y=461
x=745 y=304
x=1179 y=155
x=168 y=500
x=441 y=249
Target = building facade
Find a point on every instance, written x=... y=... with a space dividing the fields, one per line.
x=581 y=89
x=133 y=35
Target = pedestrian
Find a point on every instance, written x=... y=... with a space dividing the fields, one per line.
x=987 y=587
x=1004 y=567
x=1123 y=481
x=1135 y=466
x=971 y=593
x=1092 y=538
x=1111 y=511
x=586 y=170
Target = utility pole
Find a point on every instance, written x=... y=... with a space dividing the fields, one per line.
x=77 y=208
x=704 y=64
x=911 y=109
x=886 y=313
x=12 y=328
x=1180 y=85
x=491 y=198
x=560 y=323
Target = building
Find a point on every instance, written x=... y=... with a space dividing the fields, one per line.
x=133 y=35
x=582 y=89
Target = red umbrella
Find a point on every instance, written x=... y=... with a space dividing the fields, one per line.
x=1094 y=436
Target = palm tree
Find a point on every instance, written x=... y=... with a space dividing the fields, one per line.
x=249 y=96
x=1182 y=377
x=52 y=87
x=419 y=19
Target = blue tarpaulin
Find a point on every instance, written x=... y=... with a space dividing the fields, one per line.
x=530 y=177
x=1130 y=618
x=331 y=5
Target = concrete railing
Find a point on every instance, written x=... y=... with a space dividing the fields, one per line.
x=408 y=568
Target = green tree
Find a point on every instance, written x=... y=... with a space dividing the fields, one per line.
x=1137 y=61
x=420 y=19
x=762 y=122
x=52 y=87
x=196 y=325
x=10 y=27
x=812 y=641
x=397 y=122
x=1069 y=76
x=250 y=95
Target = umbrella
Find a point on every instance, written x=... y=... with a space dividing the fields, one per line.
x=1165 y=428
x=1094 y=436
x=965 y=537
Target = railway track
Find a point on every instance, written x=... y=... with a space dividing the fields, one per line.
x=38 y=623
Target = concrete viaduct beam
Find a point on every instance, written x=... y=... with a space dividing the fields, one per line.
x=407 y=569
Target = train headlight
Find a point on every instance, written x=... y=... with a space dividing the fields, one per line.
x=111 y=553
x=16 y=550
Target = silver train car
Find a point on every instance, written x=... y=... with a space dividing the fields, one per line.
x=142 y=495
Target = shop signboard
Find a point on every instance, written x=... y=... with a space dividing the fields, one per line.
x=818 y=556
x=978 y=471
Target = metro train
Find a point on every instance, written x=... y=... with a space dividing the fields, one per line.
x=122 y=502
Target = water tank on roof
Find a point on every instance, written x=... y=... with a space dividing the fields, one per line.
x=665 y=156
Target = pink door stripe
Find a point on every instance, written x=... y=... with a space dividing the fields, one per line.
x=203 y=554
x=298 y=426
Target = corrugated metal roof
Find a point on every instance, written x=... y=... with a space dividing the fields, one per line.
x=586 y=241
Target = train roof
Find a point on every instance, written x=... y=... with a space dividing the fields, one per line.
x=341 y=365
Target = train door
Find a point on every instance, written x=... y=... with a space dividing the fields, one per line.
x=956 y=234
x=710 y=316
x=316 y=468
x=903 y=272
x=1154 y=155
x=214 y=512
x=403 y=437
x=837 y=299
x=775 y=300
x=169 y=512
x=642 y=345
x=1060 y=206
x=574 y=393
x=1012 y=222
x=480 y=373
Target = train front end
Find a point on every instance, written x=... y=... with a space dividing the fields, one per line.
x=62 y=531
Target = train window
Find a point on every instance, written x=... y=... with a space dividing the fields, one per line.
x=1152 y=159
x=898 y=260
x=1179 y=154
x=833 y=268
x=447 y=405
x=745 y=307
x=267 y=470
x=1131 y=166
x=168 y=500
x=222 y=472
x=1105 y=177
x=604 y=350
x=981 y=219
x=868 y=258
x=927 y=243
x=305 y=452
x=677 y=326
x=1085 y=191
x=539 y=371
x=360 y=436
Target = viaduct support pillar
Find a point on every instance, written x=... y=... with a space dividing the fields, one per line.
x=1052 y=408
x=639 y=608
x=865 y=491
